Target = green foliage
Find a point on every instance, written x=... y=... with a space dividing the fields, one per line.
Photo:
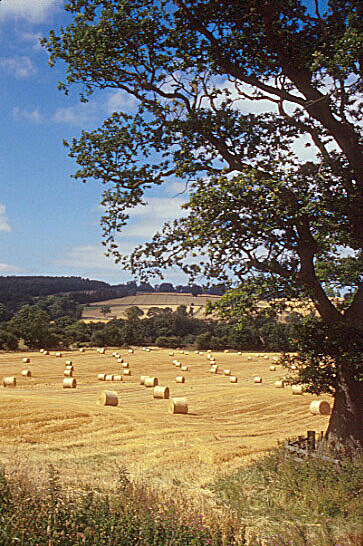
x=8 y=340
x=286 y=496
x=168 y=341
x=322 y=349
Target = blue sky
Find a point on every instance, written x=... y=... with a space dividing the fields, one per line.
x=49 y=222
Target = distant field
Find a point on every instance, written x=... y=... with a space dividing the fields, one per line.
x=227 y=424
x=144 y=301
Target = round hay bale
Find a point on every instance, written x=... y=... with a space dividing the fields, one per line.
x=117 y=377
x=226 y=372
x=233 y=379
x=180 y=379
x=275 y=358
x=177 y=364
x=69 y=367
x=171 y=354
x=26 y=373
x=147 y=350
x=239 y=353
x=102 y=351
x=69 y=383
x=249 y=358
x=120 y=360
x=279 y=384
x=101 y=377
x=320 y=407
x=186 y=352
x=257 y=379
x=9 y=381
x=201 y=353
x=178 y=405
x=161 y=392
x=297 y=389
x=184 y=368
x=142 y=379
x=214 y=369
x=126 y=372
x=257 y=355
x=151 y=381
x=293 y=367
x=272 y=368
x=125 y=364
x=266 y=357
x=107 y=398
x=68 y=373
x=226 y=351
x=26 y=360
x=82 y=350
x=45 y=352
x=58 y=355
x=131 y=351
x=41 y=350
x=109 y=377
x=68 y=362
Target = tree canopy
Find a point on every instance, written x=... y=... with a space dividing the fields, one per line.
x=200 y=74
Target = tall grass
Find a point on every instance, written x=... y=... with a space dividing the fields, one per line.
x=273 y=502
x=310 y=501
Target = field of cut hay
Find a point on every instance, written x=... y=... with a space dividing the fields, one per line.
x=41 y=422
x=144 y=301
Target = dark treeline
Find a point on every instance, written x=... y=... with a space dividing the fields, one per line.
x=16 y=291
x=54 y=322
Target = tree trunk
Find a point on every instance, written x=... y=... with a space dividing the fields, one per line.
x=345 y=430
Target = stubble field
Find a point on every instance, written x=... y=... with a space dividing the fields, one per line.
x=41 y=423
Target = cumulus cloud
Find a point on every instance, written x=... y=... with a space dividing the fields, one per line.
x=34 y=116
x=34 y=11
x=10 y=269
x=20 y=67
x=87 y=257
x=119 y=101
x=4 y=223
x=76 y=115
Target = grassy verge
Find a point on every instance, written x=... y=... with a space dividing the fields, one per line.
x=307 y=503
x=273 y=502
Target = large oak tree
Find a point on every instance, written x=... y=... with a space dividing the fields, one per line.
x=263 y=215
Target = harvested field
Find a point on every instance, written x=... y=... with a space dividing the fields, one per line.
x=226 y=423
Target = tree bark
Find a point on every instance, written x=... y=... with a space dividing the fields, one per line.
x=345 y=430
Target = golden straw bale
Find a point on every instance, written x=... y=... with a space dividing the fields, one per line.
x=180 y=379
x=151 y=381
x=82 y=350
x=320 y=407
x=125 y=364
x=68 y=373
x=120 y=360
x=58 y=355
x=26 y=373
x=9 y=381
x=257 y=379
x=178 y=405
x=161 y=392
x=69 y=383
x=272 y=368
x=226 y=372
x=69 y=367
x=297 y=389
x=107 y=398
x=171 y=354
x=26 y=360
x=101 y=377
x=178 y=364
x=45 y=352
x=68 y=362
x=102 y=351
x=214 y=369
x=131 y=351
x=126 y=372
x=279 y=384
x=142 y=379
x=109 y=377
x=249 y=358
x=41 y=350
x=184 y=368
x=117 y=377
x=233 y=379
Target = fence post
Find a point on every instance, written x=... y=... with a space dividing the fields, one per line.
x=311 y=440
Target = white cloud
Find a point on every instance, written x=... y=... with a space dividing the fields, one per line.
x=11 y=269
x=20 y=67
x=4 y=223
x=34 y=116
x=34 y=11
x=89 y=257
x=76 y=115
x=119 y=101
x=33 y=39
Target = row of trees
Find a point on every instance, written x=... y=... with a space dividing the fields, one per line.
x=54 y=322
